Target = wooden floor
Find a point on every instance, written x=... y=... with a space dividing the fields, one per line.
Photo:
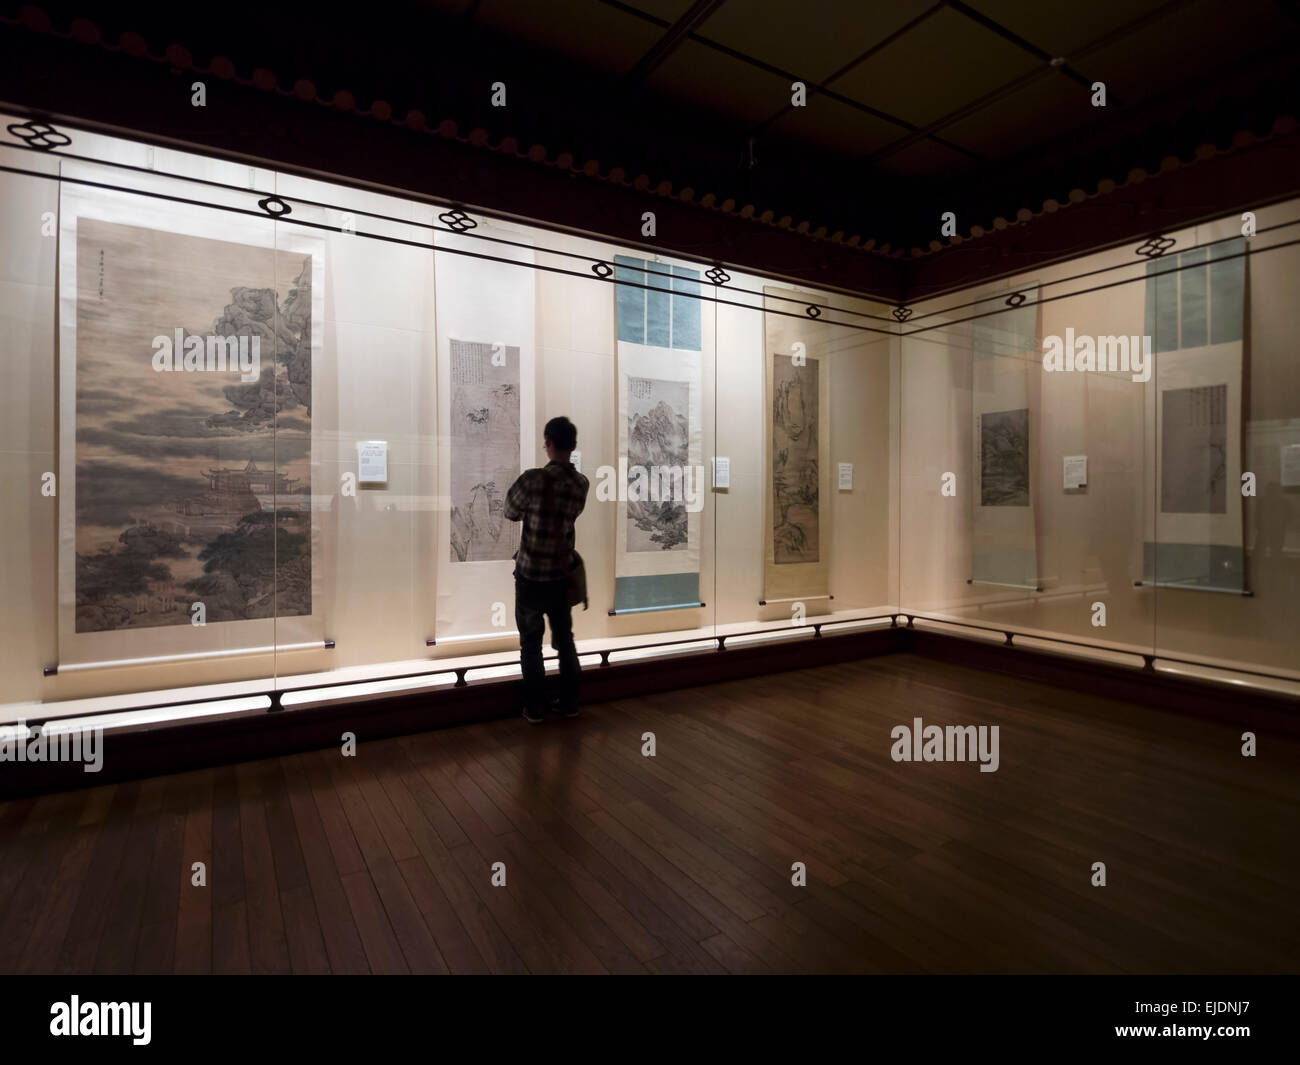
x=682 y=863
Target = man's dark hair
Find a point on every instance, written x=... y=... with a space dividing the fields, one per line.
x=562 y=433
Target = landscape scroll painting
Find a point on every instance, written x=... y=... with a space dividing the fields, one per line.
x=1006 y=366
x=1194 y=450
x=797 y=453
x=1196 y=311
x=796 y=495
x=658 y=434
x=661 y=475
x=487 y=422
x=186 y=406
x=1004 y=458
x=485 y=450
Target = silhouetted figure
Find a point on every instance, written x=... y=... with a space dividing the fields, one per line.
x=547 y=500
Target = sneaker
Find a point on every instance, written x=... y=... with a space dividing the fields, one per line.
x=534 y=717
x=557 y=706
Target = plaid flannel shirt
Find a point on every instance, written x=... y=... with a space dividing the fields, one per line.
x=546 y=541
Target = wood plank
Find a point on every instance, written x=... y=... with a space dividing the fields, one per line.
x=412 y=797
x=50 y=926
x=681 y=863
x=382 y=950
x=302 y=931
x=564 y=909
x=193 y=949
x=541 y=946
x=230 y=948
x=37 y=850
x=407 y=920
x=156 y=948
x=538 y=820
x=455 y=944
x=100 y=884
x=334 y=820
x=268 y=943
x=342 y=943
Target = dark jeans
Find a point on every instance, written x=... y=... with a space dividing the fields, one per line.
x=533 y=601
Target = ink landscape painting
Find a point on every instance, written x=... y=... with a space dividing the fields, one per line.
x=658 y=439
x=1004 y=458
x=192 y=466
x=485 y=445
x=796 y=517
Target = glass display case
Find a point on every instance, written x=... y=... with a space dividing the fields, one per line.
x=1099 y=452
x=261 y=427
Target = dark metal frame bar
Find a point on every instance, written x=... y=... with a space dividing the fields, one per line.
x=1103 y=270
x=1099 y=288
x=432 y=201
x=611 y=279
x=589 y=275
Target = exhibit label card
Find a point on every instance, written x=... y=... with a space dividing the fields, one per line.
x=1076 y=471
x=372 y=461
x=1290 y=465
x=846 y=477
x=721 y=472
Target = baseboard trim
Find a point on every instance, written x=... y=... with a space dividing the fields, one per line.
x=166 y=749
x=1276 y=711
x=195 y=745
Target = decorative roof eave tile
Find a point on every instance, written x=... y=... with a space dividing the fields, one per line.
x=179 y=58
x=1283 y=126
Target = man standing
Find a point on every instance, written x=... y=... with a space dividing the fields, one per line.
x=548 y=501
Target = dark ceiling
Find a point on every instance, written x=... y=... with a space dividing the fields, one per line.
x=914 y=108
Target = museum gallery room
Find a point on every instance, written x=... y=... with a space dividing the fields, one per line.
x=725 y=487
